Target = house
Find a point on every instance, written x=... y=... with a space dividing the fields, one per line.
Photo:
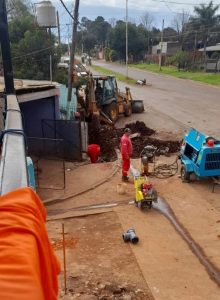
x=211 y=49
x=168 y=48
x=47 y=135
x=212 y=64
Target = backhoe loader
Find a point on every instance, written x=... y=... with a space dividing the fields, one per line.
x=103 y=98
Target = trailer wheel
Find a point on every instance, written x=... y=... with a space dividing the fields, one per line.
x=111 y=111
x=185 y=176
x=154 y=195
x=127 y=109
x=139 y=204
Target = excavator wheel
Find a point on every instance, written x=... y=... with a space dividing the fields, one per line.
x=111 y=111
x=137 y=106
x=127 y=109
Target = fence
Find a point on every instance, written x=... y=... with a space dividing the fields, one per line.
x=60 y=139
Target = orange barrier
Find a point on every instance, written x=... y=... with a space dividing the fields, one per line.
x=28 y=265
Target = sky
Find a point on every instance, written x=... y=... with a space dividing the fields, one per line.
x=159 y=9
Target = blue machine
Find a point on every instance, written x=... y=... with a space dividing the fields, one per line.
x=200 y=155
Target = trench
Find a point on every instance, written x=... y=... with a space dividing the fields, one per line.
x=162 y=207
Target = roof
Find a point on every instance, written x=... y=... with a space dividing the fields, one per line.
x=211 y=48
x=28 y=86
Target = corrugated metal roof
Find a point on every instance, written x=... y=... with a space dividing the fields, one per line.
x=28 y=84
x=211 y=48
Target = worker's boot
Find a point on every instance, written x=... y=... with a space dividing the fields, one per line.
x=125 y=178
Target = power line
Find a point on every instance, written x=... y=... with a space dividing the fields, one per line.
x=64 y=5
x=183 y=3
x=33 y=52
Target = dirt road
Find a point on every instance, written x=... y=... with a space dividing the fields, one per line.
x=173 y=104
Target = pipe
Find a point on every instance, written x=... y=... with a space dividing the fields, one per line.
x=130 y=236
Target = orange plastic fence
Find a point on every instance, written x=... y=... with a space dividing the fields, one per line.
x=28 y=266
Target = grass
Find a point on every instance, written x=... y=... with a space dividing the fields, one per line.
x=118 y=76
x=209 y=78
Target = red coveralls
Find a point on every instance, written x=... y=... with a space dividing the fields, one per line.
x=126 y=152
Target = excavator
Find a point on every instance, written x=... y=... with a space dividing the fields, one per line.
x=103 y=98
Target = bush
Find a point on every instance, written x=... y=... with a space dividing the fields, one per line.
x=182 y=60
x=107 y=52
x=113 y=55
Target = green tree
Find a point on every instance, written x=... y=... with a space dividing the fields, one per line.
x=205 y=21
x=31 y=46
x=137 y=41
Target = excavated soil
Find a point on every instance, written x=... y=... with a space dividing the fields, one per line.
x=109 y=139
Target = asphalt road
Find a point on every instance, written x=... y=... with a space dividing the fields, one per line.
x=172 y=104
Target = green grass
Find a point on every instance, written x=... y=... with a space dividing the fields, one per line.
x=118 y=76
x=209 y=78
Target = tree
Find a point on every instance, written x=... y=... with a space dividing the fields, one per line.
x=31 y=46
x=137 y=42
x=179 y=23
x=147 y=21
x=205 y=21
x=169 y=34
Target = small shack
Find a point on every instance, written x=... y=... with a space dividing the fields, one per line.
x=46 y=134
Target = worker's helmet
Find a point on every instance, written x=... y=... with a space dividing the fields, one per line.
x=144 y=160
x=127 y=130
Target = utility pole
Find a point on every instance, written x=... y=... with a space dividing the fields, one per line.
x=68 y=37
x=161 y=46
x=72 y=50
x=126 y=34
x=58 y=27
x=195 y=44
x=6 y=51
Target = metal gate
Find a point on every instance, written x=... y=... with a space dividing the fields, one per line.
x=60 y=139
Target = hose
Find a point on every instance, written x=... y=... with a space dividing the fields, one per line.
x=166 y=170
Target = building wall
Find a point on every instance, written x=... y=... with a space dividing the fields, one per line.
x=35 y=111
x=173 y=48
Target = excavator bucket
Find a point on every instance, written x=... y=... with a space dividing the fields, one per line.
x=137 y=106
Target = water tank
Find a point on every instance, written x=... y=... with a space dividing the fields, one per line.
x=46 y=14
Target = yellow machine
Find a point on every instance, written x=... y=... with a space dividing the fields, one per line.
x=145 y=194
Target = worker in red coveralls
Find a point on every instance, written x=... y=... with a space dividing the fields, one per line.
x=126 y=152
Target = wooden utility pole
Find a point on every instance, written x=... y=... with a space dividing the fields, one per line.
x=195 y=45
x=72 y=50
x=161 y=46
x=58 y=27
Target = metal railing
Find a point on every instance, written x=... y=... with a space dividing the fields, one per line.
x=13 y=165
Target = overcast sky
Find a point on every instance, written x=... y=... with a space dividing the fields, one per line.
x=160 y=9
x=116 y=8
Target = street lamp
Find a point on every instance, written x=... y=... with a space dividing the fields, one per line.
x=126 y=34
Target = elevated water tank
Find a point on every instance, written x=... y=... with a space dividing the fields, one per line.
x=46 y=14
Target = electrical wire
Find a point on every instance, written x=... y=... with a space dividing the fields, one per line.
x=64 y=5
x=183 y=3
x=34 y=52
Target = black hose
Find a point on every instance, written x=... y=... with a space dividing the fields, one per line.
x=166 y=170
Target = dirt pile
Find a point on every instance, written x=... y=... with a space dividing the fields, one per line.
x=109 y=138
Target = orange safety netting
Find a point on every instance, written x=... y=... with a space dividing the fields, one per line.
x=28 y=265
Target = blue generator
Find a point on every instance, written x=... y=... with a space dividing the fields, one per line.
x=200 y=155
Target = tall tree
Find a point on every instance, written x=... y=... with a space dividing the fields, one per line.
x=205 y=20
x=147 y=20
x=179 y=23
x=31 y=46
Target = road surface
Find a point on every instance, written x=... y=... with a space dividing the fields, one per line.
x=173 y=104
